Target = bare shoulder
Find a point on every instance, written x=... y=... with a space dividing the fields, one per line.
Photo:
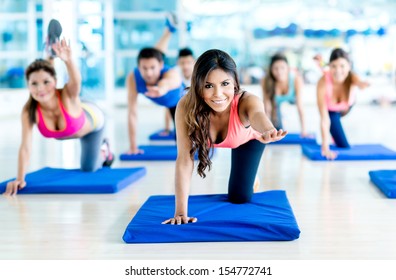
x=248 y=97
x=321 y=82
x=181 y=105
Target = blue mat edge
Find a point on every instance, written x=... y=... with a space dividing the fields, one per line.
x=379 y=183
x=305 y=147
x=140 y=172
x=143 y=157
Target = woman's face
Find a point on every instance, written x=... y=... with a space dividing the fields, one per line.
x=280 y=70
x=41 y=85
x=340 y=69
x=219 y=90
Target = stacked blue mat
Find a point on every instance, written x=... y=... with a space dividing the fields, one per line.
x=356 y=152
x=155 y=152
x=385 y=180
x=55 y=180
x=268 y=217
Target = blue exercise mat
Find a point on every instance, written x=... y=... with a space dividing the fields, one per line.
x=158 y=136
x=356 y=152
x=155 y=152
x=385 y=180
x=268 y=217
x=56 y=180
x=295 y=138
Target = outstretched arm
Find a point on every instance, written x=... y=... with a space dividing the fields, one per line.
x=251 y=111
x=170 y=80
x=359 y=83
x=184 y=169
x=63 y=51
x=23 y=156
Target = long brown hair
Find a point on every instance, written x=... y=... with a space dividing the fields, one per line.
x=340 y=53
x=37 y=65
x=270 y=81
x=198 y=112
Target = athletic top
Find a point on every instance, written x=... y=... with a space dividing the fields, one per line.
x=72 y=125
x=237 y=133
x=291 y=94
x=169 y=100
x=336 y=107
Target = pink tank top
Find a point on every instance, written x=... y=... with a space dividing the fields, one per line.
x=336 y=107
x=237 y=133
x=72 y=125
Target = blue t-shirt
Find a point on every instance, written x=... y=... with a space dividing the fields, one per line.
x=169 y=100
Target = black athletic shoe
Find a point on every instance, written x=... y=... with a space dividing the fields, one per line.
x=53 y=33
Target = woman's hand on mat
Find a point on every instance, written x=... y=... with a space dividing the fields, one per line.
x=328 y=154
x=165 y=132
x=306 y=135
x=135 y=151
x=14 y=186
x=181 y=219
x=272 y=135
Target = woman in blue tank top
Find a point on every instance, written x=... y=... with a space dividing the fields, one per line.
x=280 y=85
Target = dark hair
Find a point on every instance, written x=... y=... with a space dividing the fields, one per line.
x=37 y=65
x=270 y=81
x=340 y=53
x=197 y=117
x=151 y=53
x=185 y=52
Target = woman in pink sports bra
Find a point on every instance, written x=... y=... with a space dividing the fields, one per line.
x=335 y=97
x=216 y=113
x=59 y=114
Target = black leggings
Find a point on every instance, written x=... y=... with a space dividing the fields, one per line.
x=336 y=130
x=245 y=161
x=172 y=111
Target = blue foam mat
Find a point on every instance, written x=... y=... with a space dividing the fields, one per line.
x=158 y=136
x=268 y=217
x=155 y=152
x=356 y=152
x=57 y=180
x=385 y=180
x=295 y=138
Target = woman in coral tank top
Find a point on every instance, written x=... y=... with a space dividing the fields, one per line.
x=217 y=113
x=335 y=97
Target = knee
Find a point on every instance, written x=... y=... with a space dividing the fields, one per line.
x=240 y=198
x=88 y=168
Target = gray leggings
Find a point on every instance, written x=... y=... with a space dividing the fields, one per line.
x=91 y=159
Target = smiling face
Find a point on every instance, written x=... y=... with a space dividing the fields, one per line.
x=339 y=69
x=150 y=69
x=41 y=85
x=218 y=91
